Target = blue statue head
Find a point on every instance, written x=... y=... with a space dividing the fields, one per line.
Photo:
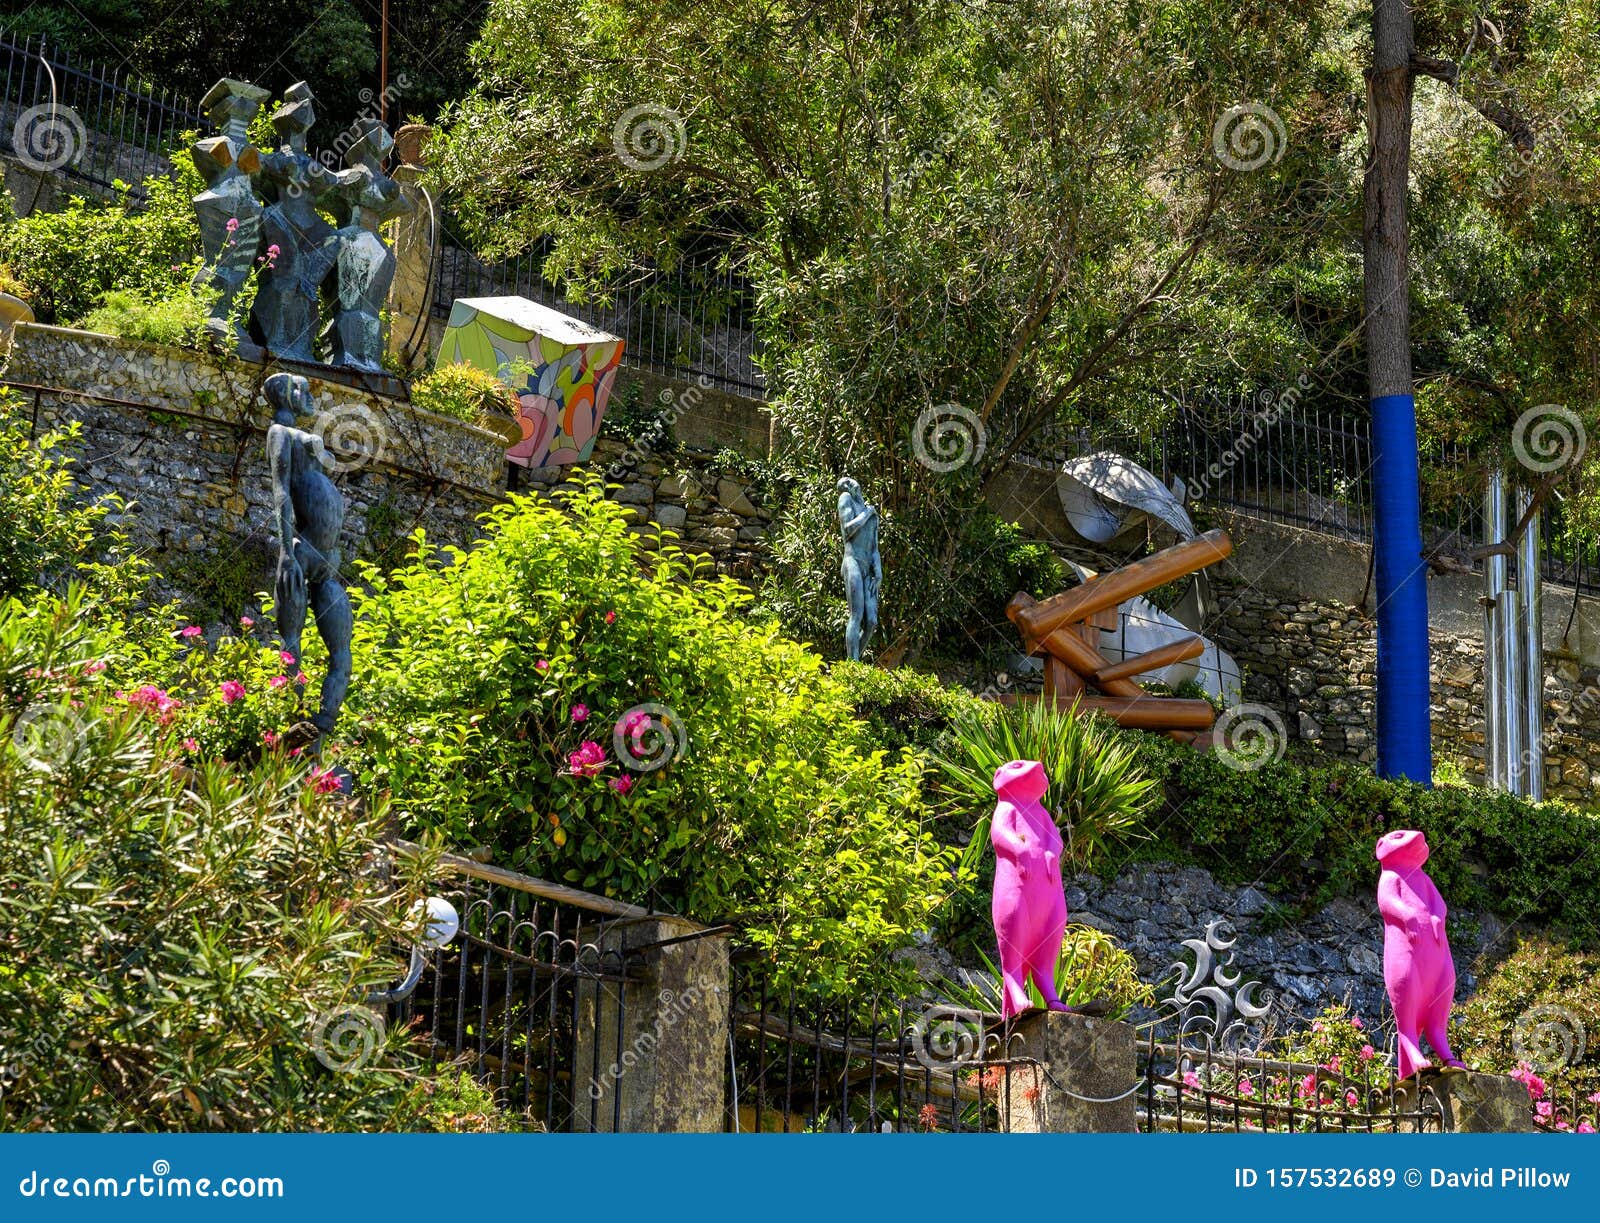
x=290 y=397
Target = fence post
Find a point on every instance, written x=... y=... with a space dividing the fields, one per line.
x=656 y=1064
x=1469 y=1101
x=1079 y=1056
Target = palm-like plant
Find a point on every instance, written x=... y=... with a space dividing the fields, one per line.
x=1098 y=791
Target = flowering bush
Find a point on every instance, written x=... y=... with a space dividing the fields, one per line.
x=633 y=732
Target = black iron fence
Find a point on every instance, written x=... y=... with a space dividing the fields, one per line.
x=92 y=124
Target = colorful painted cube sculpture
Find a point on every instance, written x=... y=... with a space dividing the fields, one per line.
x=561 y=368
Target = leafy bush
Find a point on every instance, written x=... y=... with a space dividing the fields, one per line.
x=465 y=392
x=176 y=318
x=1092 y=967
x=633 y=733
x=1535 y=1015
x=904 y=707
x=1306 y=830
x=175 y=940
x=69 y=261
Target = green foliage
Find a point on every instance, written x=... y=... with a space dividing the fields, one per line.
x=632 y=419
x=1092 y=967
x=69 y=261
x=459 y=1104
x=177 y=318
x=905 y=708
x=464 y=392
x=1540 y=1006
x=1306 y=831
x=493 y=698
x=173 y=937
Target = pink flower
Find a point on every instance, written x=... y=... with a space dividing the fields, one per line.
x=587 y=760
x=245 y=622
x=272 y=252
x=155 y=700
x=286 y=658
x=1594 y=1098
x=1319 y=1026
x=191 y=745
x=193 y=630
x=1351 y=1099
x=1191 y=1080
x=270 y=738
x=1356 y=1023
x=1368 y=1053
x=1524 y=1074
x=300 y=677
x=622 y=784
x=1543 y=1109
x=233 y=225
x=1585 y=1128
x=1308 y=1087
x=93 y=667
x=611 y=617
x=1246 y=1088
x=277 y=681
x=580 y=713
x=542 y=665
x=326 y=781
x=231 y=691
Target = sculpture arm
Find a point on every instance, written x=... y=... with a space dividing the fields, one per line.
x=1005 y=832
x=280 y=463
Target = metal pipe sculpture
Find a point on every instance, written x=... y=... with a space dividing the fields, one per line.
x=1418 y=969
x=1530 y=625
x=1495 y=712
x=1029 y=906
x=1513 y=648
x=862 y=566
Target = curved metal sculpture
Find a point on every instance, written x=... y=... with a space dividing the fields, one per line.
x=1106 y=496
x=1207 y=997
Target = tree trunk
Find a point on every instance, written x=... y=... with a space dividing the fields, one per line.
x=1404 y=748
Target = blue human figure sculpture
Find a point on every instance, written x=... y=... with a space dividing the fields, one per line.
x=309 y=514
x=292 y=182
x=862 y=568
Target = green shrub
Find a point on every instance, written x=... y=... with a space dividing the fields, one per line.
x=465 y=392
x=493 y=696
x=176 y=318
x=68 y=261
x=904 y=707
x=1091 y=967
x=1538 y=1010
x=177 y=941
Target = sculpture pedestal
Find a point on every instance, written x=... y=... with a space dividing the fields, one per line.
x=1085 y=1057
x=1469 y=1102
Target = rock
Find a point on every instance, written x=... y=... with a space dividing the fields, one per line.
x=670 y=516
x=732 y=497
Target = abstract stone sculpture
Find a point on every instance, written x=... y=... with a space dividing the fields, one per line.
x=1029 y=906
x=309 y=514
x=364 y=198
x=1418 y=969
x=862 y=567
x=229 y=213
x=292 y=182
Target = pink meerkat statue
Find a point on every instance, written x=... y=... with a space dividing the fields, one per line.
x=1030 y=908
x=1417 y=968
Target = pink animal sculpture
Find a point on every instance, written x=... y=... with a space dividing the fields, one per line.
x=1030 y=908
x=1417 y=967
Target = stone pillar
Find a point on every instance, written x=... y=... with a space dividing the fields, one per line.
x=413 y=235
x=664 y=1066
x=1470 y=1102
x=1084 y=1057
